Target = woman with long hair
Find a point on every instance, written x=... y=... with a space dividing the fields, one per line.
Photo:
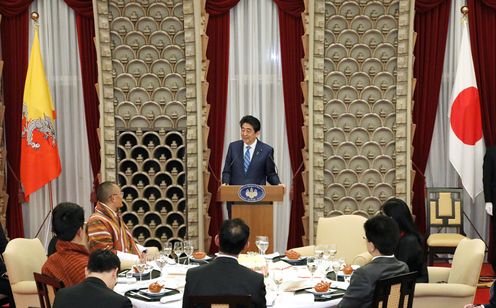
x=411 y=247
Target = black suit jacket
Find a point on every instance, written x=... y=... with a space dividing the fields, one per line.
x=360 y=292
x=492 y=299
x=260 y=170
x=91 y=293
x=489 y=175
x=224 y=276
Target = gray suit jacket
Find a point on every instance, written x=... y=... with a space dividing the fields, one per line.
x=224 y=276
x=360 y=293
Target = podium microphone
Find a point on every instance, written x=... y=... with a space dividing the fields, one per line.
x=275 y=167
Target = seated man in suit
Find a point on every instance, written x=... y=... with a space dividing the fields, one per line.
x=67 y=264
x=382 y=235
x=96 y=289
x=224 y=275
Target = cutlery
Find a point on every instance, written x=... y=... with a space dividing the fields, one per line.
x=138 y=295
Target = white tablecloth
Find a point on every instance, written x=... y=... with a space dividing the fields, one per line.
x=294 y=275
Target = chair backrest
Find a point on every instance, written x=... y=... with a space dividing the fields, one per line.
x=220 y=301
x=47 y=287
x=444 y=208
x=467 y=262
x=395 y=292
x=330 y=230
x=22 y=258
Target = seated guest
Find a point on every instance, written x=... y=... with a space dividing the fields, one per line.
x=96 y=289
x=106 y=229
x=410 y=248
x=382 y=235
x=224 y=275
x=67 y=264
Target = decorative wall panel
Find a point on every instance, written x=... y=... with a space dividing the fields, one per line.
x=144 y=69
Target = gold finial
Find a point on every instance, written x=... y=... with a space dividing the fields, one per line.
x=35 y=16
x=464 y=10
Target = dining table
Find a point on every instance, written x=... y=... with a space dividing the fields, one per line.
x=296 y=289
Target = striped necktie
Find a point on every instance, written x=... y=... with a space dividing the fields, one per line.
x=246 y=160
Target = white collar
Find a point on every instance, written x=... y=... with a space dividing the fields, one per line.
x=252 y=146
x=223 y=255
x=382 y=256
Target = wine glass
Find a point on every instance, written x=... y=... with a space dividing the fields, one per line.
x=319 y=251
x=149 y=260
x=178 y=249
x=188 y=249
x=278 y=278
x=311 y=265
x=167 y=250
x=140 y=266
x=262 y=243
x=332 y=250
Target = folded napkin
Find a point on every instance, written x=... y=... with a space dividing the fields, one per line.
x=177 y=270
x=280 y=265
x=294 y=285
x=171 y=298
x=126 y=280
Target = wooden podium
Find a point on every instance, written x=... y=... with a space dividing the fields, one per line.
x=257 y=215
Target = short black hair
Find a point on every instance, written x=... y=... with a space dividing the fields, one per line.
x=104 y=191
x=102 y=261
x=250 y=120
x=233 y=236
x=383 y=232
x=67 y=218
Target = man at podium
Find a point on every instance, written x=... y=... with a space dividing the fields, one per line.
x=249 y=160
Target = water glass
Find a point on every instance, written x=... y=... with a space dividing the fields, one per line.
x=188 y=249
x=262 y=243
x=178 y=249
x=319 y=251
x=167 y=250
x=332 y=250
x=278 y=278
x=140 y=266
x=311 y=266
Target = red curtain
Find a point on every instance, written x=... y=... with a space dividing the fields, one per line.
x=218 y=55
x=89 y=72
x=14 y=35
x=482 y=22
x=431 y=25
x=291 y=30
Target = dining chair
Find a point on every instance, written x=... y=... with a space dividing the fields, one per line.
x=22 y=258
x=455 y=286
x=220 y=301
x=47 y=287
x=444 y=208
x=395 y=292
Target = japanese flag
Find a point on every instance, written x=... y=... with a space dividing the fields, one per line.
x=466 y=143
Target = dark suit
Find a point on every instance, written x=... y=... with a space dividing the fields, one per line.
x=492 y=299
x=360 y=293
x=92 y=292
x=489 y=182
x=224 y=276
x=260 y=171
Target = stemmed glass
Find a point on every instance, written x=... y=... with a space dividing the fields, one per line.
x=188 y=250
x=140 y=266
x=149 y=259
x=332 y=250
x=167 y=250
x=278 y=278
x=178 y=250
x=262 y=243
x=311 y=265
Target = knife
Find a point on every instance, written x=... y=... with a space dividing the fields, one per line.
x=138 y=295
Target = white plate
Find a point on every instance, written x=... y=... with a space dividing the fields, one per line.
x=293 y=260
x=206 y=258
x=154 y=294
x=312 y=290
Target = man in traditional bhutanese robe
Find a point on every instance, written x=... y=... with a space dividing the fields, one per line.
x=106 y=229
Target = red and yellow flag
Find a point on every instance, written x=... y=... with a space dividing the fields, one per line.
x=40 y=162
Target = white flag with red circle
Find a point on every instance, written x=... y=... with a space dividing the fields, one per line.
x=466 y=143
